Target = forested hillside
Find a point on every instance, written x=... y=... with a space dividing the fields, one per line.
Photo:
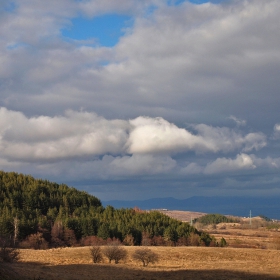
x=41 y=212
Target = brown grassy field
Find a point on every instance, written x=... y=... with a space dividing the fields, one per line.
x=251 y=254
x=238 y=235
x=184 y=216
x=174 y=263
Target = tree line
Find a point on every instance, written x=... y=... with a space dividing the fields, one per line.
x=212 y=219
x=43 y=214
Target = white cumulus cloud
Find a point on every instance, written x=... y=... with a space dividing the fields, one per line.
x=76 y=134
x=142 y=164
x=83 y=134
x=241 y=162
x=276 y=131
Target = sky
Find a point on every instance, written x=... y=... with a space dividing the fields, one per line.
x=135 y=99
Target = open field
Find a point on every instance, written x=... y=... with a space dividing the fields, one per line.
x=184 y=216
x=174 y=263
x=238 y=235
x=251 y=254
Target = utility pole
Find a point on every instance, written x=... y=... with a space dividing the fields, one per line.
x=250 y=218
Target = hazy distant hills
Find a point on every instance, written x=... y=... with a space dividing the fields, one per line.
x=238 y=206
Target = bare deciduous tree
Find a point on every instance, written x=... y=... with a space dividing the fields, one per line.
x=129 y=240
x=69 y=237
x=145 y=255
x=96 y=254
x=146 y=239
x=35 y=241
x=114 y=251
x=193 y=239
x=16 y=229
x=92 y=241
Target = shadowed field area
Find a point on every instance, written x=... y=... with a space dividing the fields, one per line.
x=174 y=263
x=104 y=272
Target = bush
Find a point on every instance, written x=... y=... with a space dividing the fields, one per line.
x=223 y=242
x=96 y=254
x=114 y=251
x=183 y=241
x=146 y=239
x=193 y=239
x=129 y=240
x=145 y=255
x=8 y=253
x=92 y=241
x=158 y=241
x=35 y=241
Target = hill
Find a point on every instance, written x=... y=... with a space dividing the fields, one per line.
x=36 y=203
x=40 y=214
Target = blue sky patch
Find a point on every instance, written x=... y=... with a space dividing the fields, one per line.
x=16 y=46
x=10 y=7
x=178 y=2
x=175 y=2
x=106 y=29
x=206 y=1
x=199 y=1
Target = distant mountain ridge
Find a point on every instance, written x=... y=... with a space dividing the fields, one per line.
x=238 y=206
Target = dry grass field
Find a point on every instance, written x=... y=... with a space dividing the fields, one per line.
x=174 y=263
x=251 y=254
x=238 y=235
x=184 y=216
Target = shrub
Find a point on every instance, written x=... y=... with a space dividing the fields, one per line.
x=57 y=234
x=129 y=240
x=96 y=254
x=146 y=239
x=69 y=237
x=35 y=241
x=92 y=241
x=223 y=242
x=193 y=240
x=8 y=253
x=158 y=241
x=145 y=255
x=183 y=241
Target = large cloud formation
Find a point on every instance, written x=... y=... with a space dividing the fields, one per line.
x=83 y=134
x=122 y=148
x=189 y=92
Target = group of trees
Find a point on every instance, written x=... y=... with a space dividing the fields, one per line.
x=211 y=219
x=39 y=214
x=115 y=252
